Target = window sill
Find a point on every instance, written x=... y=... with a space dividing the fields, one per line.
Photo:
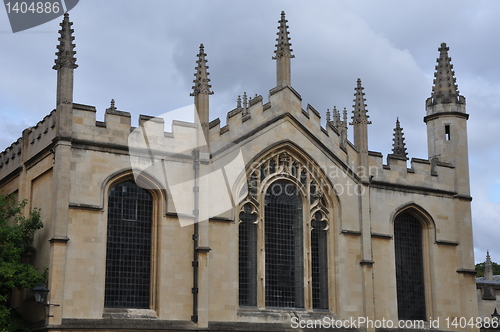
x=281 y=312
x=117 y=313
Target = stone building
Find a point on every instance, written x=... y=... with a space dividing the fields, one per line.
x=268 y=220
x=488 y=290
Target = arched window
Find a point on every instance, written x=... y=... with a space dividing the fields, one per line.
x=128 y=250
x=283 y=235
x=319 y=262
x=409 y=267
x=284 y=246
x=247 y=257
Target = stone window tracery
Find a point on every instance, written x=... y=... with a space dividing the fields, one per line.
x=283 y=235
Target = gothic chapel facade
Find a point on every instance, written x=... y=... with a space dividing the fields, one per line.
x=318 y=226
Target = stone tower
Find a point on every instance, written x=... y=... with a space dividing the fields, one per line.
x=446 y=121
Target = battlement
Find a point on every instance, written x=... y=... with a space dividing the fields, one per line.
x=34 y=140
x=116 y=130
x=422 y=173
x=285 y=104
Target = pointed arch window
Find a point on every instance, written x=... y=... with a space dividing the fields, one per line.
x=247 y=257
x=319 y=262
x=283 y=236
x=128 y=249
x=409 y=267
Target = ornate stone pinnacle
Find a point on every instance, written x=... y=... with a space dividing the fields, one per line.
x=283 y=45
x=488 y=267
x=327 y=115
x=360 y=112
x=245 y=100
x=238 y=102
x=245 y=104
x=201 y=82
x=399 y=145
x=112 y=106
x=444 y=89
x=65 y=54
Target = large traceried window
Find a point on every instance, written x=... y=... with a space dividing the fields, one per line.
x=409 y=267
x=285 y=213
x=128 y=250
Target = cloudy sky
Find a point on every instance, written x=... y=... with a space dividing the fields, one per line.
x=143 y=54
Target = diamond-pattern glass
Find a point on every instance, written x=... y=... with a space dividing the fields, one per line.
x=283 y=246
x=409 y=267
x=247 y=258
x=128 y=251
x=319 y=263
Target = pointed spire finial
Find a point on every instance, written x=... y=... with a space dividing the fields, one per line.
x=283 y=41
x=283 y=54
x=398 y=142
x=201 y=83
x=336 y=117
x=327 y=115
x=488 y=268
x=445 y=89
x=112 y=106
x=65 y=54
x=245 y=104
x=360 y=112
x=238 y=102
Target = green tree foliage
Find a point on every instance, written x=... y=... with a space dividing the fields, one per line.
x=16 y=248
x=480 y=269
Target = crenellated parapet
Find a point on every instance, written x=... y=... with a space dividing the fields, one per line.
x=116 y=131
x=422 y=174
x=34 y=141
x=11 y=159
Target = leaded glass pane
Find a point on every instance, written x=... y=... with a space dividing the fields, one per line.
x=247 y=258
x=128 y=250
x=283 y=245
x=319 y=263
x=409 y=267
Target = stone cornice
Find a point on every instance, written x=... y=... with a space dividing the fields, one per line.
x=438 y=115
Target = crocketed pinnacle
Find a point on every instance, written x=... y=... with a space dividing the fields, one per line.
x=112 y=107
x=336 y=117
x=359 y=114
x=488 y=267
x=238 y=102
x=283 y=41
x=245 y=104
x=65 y=54
x=445 y=89
x=201 y=82
x=398 y=144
